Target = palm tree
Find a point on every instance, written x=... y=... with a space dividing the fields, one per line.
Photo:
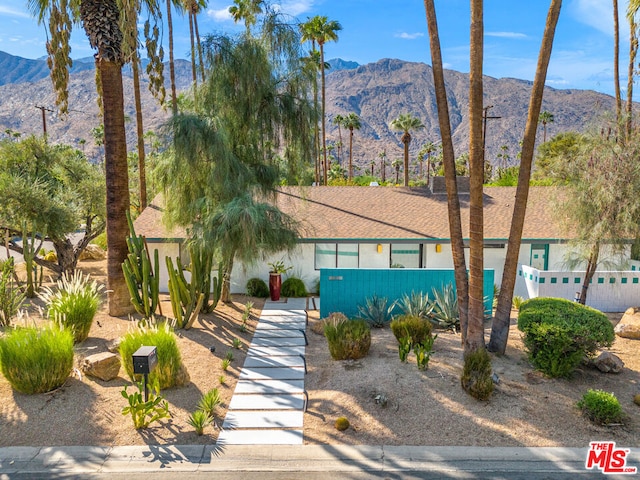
x=545 y=118
x=426 y=152
x=632 y=10
x=383 y=166
x=100 y=20
x=475 y=326
x=322 y=30
x=448 y=160
x=247 y=11
x=312 y=64
x=172 y=66
x=339 y=120
x=501 y=321
x=616 y=62
x=406 y=122
x=396 y=164
x=372 y=165
x=352 y=122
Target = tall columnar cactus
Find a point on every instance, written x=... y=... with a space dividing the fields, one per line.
x=29 y=253
x=186 y=298
x=142 y=278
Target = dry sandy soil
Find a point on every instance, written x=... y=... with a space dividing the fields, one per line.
x=423 y=407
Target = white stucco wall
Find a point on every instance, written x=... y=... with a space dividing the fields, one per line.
x=165 y=249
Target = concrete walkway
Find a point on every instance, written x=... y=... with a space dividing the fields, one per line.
x=267 y=406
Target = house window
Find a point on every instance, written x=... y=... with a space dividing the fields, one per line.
x=406 y=255
x=336 y=255
x=539 y=256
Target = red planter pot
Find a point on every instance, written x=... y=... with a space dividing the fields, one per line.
x=275 y=284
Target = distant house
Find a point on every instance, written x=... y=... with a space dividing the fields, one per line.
x=386 y=227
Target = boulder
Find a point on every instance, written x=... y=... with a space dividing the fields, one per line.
x=607 y=362
x=105 y=366
x=629 y=324
x=93 y=252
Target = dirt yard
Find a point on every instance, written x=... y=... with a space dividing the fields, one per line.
x=422 y=407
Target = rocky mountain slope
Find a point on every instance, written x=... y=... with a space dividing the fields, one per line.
x=377 y=92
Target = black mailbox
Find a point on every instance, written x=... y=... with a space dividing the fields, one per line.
x=145 y=360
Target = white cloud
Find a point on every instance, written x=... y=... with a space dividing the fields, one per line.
x=409 y=36
x=505 y=34
x=597 y=14
x=220 y=15
x=4 y=10
x=294 y=7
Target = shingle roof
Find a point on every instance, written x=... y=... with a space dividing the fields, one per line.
x=379 y=213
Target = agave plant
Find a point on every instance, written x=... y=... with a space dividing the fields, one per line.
x=445 y=308
x=416 y=305
x=375 y=311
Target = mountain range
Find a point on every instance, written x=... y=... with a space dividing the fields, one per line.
x=378 y=92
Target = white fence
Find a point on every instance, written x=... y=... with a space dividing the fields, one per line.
x=609 y=291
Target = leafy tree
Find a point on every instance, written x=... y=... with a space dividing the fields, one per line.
x=352 y=122
x=322 y=30
x=555 y=159
x=222 y=170
x=406 y=122
x=51 y=190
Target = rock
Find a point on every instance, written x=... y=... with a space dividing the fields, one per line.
x=607 y=362
x=105 y=366
x=629 y=324
x=93 y=252
x=114 y=345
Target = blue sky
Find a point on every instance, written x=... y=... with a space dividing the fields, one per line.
x=374 y=29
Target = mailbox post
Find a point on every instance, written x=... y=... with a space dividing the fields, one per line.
x=145 y=360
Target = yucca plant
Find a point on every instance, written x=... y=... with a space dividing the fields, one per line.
x=36 y=360
x=416 y=305
x=199 y=420
x=169 y=368
x=445 y=308
x=210 y=401
x=74 y=303
x=375 y=311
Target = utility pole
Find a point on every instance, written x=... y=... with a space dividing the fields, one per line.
x=44 y=119
x=485 y=117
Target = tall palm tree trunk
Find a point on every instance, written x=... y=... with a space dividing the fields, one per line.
x=194 y=75
x=172 y=67
x=350 y=153
x=324 y=120
x=475 y=328
x=406 y=139
x=616 y=63
x=448 y=159
x=135 y=65
x=633 y=52
x=200 y=56
x=501 y=321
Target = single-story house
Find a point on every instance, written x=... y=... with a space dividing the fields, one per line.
x=386 y=227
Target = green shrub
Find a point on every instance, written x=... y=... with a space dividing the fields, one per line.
x=74 y=304
x=417 y=304
x=559 y=333
x=257 y=287
x=601 y=407
x=169 y=371
x=36 y=360
x=334 y=319
x=445 y=312
x=423 y=351
x=348 y=340
x=417 y=328
x=476 y=374
x=342 y=423
x=210 y=401
x=375 y=311
x=11 y=298
x=199 y=420
x=293 y=287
